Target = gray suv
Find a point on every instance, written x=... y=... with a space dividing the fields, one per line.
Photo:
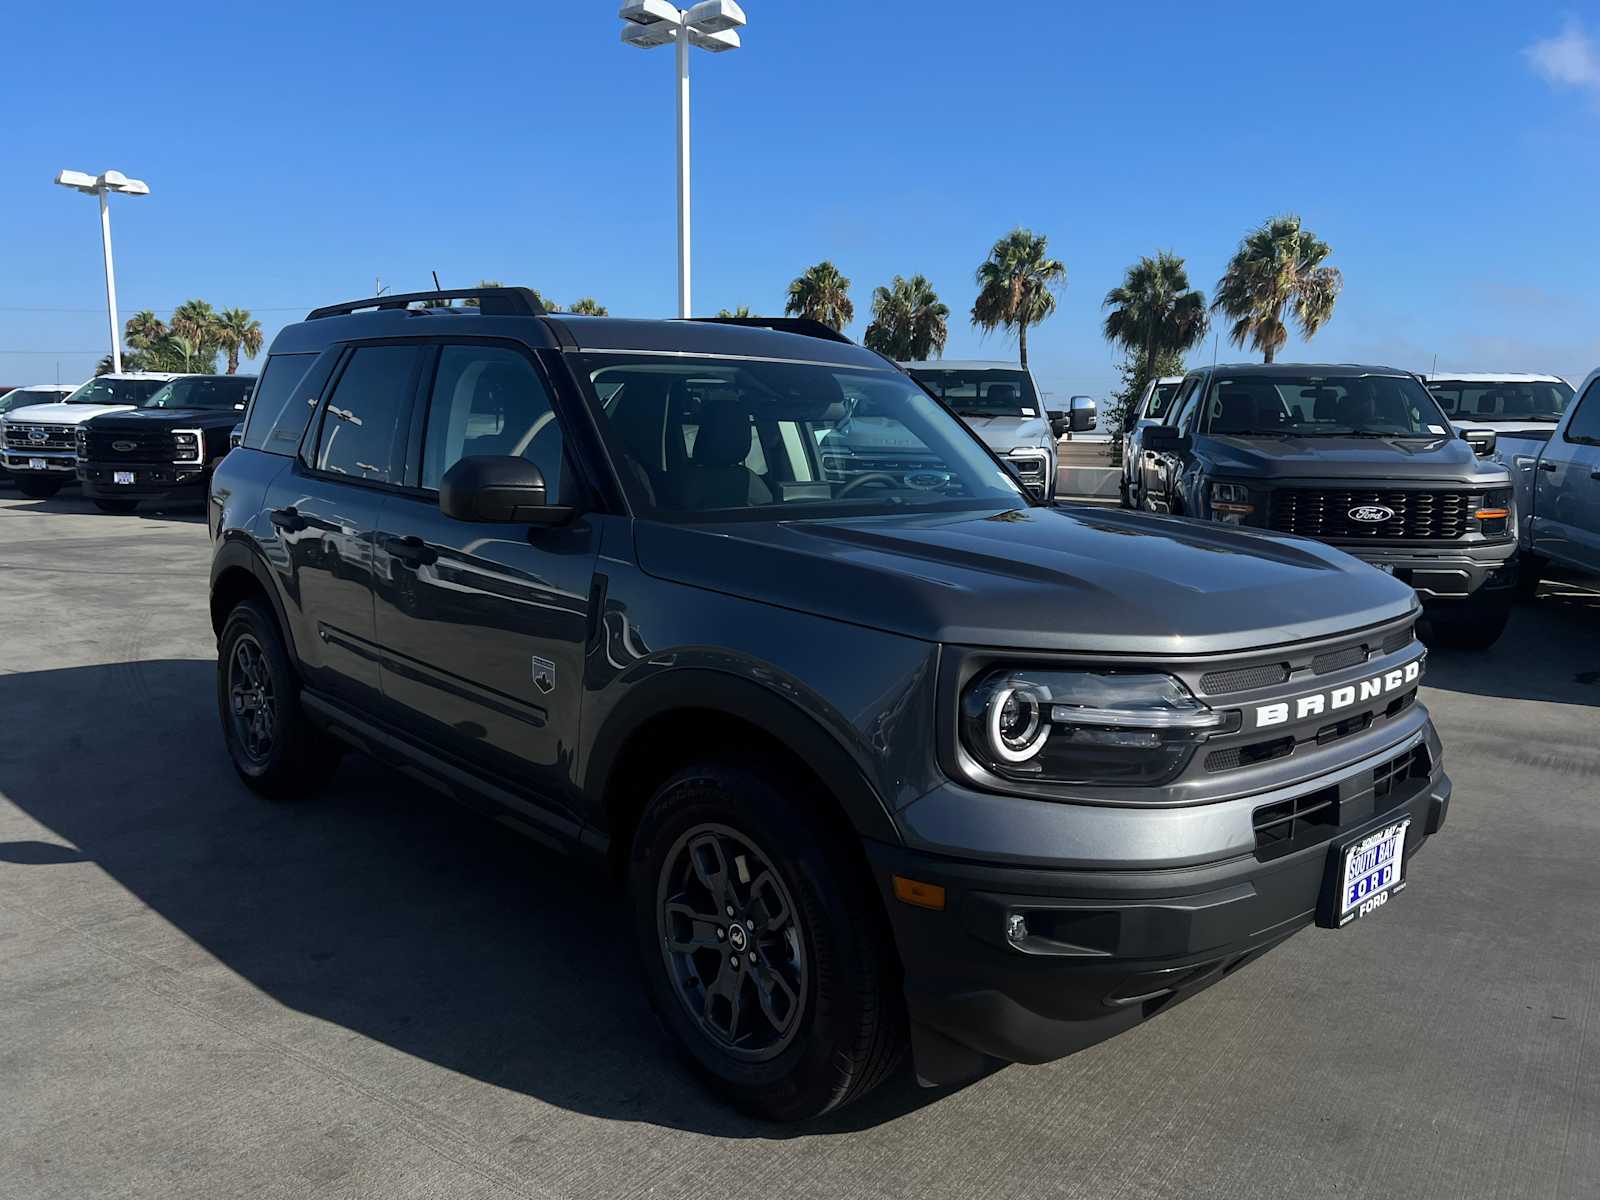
x=883 y=755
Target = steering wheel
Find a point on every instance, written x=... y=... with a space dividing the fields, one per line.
x=879 y=477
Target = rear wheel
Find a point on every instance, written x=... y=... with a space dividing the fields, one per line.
x=116 y=506
x=1473 y=624
x=274 y=747
x=37 y=489
x=761 y=948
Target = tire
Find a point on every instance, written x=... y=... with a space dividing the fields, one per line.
x=833 y=1025
x=1530 y=573
x=37 y=489
x=282 y=755
x=1473 y=624
x=116 y=506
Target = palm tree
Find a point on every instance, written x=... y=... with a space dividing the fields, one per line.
x=1276 y=266
x=197 y=323
x=742 y=311
x=909 y=322
x=1155 y=312
x=237 y=330
x=1017 y=286
x=144 y=330
x=821 y=293
x=588 y=306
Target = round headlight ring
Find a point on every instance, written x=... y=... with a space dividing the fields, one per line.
x=1018 y=736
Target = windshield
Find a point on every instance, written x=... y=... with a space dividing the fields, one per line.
x=204 y=391
x=23 y=397
x=982 y=392
x=1261 y=405
x=133 y=392
x=1544 y=400
x=763 y=440
x=1161 y=399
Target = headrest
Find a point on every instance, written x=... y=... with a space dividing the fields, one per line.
x=724 y=437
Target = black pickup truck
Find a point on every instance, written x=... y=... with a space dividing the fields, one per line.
x=1359 y=457
x=166 y=448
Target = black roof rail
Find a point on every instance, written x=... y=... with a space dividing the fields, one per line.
x=804 y=326
x=492 y=302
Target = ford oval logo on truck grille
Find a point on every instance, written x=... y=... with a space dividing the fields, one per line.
x=124 y=447
x=1371 y=512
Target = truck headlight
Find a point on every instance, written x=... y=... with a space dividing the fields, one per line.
x=82 y=436
x=188 y=446
x=1231 y=502
x=1114 y=727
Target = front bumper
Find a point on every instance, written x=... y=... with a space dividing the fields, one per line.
x=1444 y=575
x=56 y=462
x=1111 y=946
x=150 y=480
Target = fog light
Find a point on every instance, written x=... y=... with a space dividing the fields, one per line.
x=1016 y=928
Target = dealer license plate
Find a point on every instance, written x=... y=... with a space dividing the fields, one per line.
x=38 y=464
x=1372 y=871
x=122 y=477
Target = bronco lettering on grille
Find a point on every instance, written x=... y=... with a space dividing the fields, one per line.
x=1318 y=703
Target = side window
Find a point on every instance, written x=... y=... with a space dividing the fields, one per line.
x=279 y=410
x=1585 y=423
x=490 y=400
x=1188 y=399
x=361 y=435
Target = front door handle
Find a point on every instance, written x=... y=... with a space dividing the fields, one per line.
x=288 y=519
x=411 y=550
x=1594 y=474
x=1547 y=466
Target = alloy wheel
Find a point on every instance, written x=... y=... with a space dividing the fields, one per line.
x=251 y=699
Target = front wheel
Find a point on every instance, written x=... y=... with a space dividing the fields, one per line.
x=37 y=489
x=1472 y=624
x=116 y=506
x=763 y=950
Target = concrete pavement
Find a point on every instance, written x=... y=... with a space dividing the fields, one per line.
x=376 y=994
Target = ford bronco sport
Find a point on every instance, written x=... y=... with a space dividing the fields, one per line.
x=883 y=757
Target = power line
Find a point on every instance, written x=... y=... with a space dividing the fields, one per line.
x=152 y=308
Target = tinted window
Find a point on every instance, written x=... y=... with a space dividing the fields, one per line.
x=1161 y=400
x=1289 y=405
x=116 y=391
x=993 y=392
x=275 y=424
x=360 y=435
x=1184 y=407
x=204 y=391
x=24 y=397
x=779 y=440
x=1585 y=423
x=488 y=400
x=1502 y=401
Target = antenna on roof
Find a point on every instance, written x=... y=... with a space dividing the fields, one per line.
x=1214 y=338
x=436 y=286
x=1435 y=370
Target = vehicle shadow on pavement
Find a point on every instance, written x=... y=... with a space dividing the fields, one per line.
x=378 y=906
x=1549 y=651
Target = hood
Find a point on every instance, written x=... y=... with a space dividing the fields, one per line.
x=1512 y=427
x=1344 y=458
x=1080 y=579
x=1002 y=433
x=184 y=418
x=61 y=414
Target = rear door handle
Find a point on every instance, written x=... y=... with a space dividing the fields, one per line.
x=411 y=550
x=1547 y=466
x=287 y=519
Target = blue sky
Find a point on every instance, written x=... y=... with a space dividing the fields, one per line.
x=1449 y=152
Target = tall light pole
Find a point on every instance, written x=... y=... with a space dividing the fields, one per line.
x=101 y=185
x=712 y=25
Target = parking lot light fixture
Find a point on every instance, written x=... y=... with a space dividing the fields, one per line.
x=101 y=186
x=711 y=25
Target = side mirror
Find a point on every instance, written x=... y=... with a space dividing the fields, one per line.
x=1482 y=441
x=235 y=436
x=1084 y=413
x=496 y=487
x=1168 y=438
x=1060 y=420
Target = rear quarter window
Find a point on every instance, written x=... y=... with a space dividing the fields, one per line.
x=284 y=399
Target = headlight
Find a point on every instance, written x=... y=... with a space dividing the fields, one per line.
x=1494 y=515
x=189 y=446
x=1231 y=502
x=82 y=435
x=1083 y=726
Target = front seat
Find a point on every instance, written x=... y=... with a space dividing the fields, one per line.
x=715 y=476
x=1001 y=395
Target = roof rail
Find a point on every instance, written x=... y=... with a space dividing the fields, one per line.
x=492 y=302
x=804 y=326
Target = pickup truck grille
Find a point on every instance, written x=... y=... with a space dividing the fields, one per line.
x=1417 y=516
x=39 y=437
x=113 y=445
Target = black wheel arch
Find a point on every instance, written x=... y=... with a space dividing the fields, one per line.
x=671 y=711
x=238 y=571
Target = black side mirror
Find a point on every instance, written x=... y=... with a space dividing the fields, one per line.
x=1167 y=438
x=1060 y=421
x=495 y=487
x=1482 y=441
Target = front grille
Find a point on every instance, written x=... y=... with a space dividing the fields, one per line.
x=23 y=438
x=1316 y=816
x=1244 y=679
x=1416 y=516
x=1337 y=660
x=1398 y=641
x=144 y=445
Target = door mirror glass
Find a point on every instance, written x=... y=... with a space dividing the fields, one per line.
x=1084 y=413
x=498 y=487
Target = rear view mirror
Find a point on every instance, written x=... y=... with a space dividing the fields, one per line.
x=494 y=487
x=1482 y=441
x=1084 y=413
x=1168 y=438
